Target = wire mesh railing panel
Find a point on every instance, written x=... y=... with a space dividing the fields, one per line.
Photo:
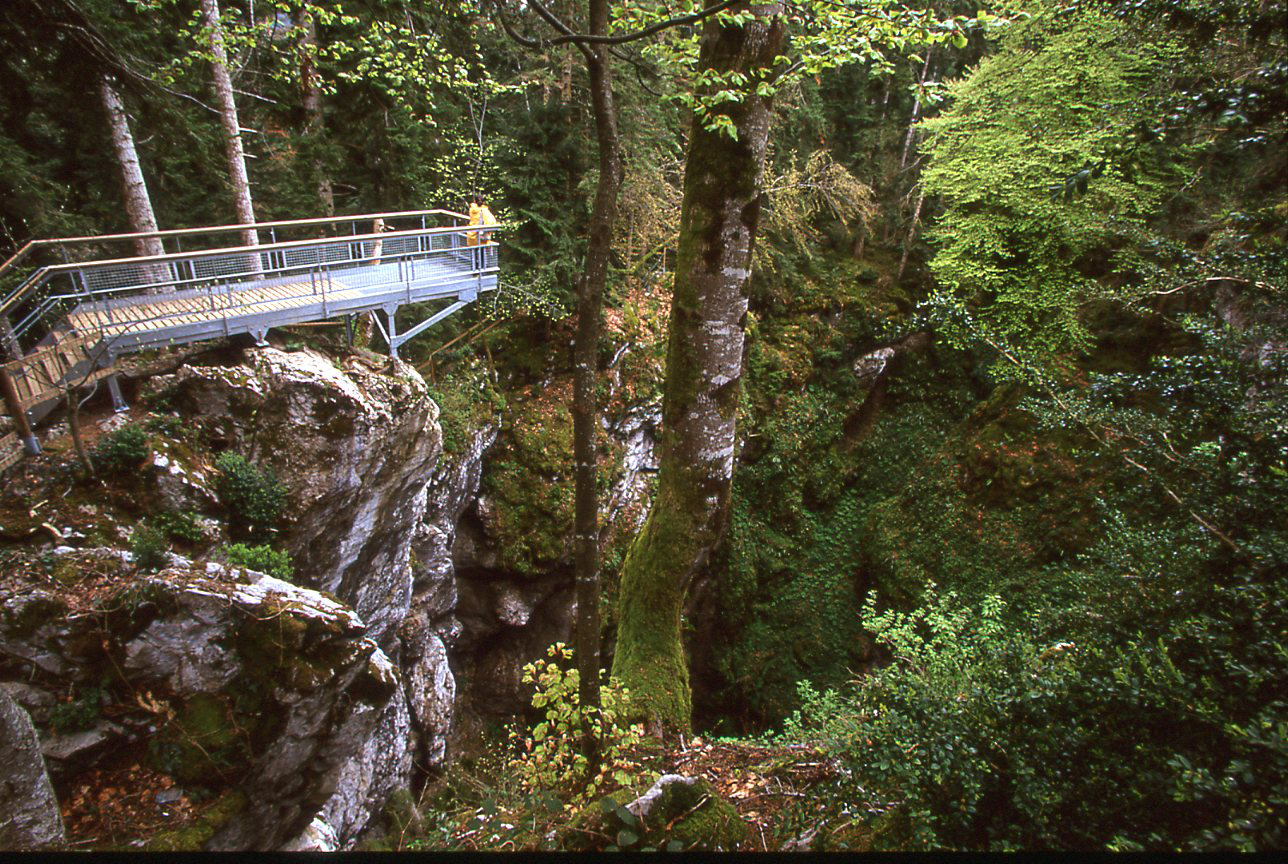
x=226 y=266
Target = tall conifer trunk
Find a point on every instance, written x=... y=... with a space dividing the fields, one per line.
x=720 y=213
x=223 y=83
x=134 y=189
x=312 y=100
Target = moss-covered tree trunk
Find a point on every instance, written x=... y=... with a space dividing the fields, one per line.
x=720 y=211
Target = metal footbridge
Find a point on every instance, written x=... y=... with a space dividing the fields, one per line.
x=72 y=306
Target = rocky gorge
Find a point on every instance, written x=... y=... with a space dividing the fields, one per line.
x=294 y=709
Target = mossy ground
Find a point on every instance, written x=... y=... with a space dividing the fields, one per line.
x=753 y=797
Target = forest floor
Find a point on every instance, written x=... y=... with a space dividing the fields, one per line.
x=774 y=788
x=771 y=787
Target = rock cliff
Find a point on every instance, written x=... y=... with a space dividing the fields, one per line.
x=302 y=708
x=287 y=701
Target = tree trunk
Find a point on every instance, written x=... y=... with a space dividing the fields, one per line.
x=585 y=411
x=312 y=98
x=134 y=189
x=912 y=233
x=74 y=426
x=916 y=112
x=228 y=118
x=721 y=209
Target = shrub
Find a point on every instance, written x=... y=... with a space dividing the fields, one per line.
x=549 y=757
x=977 y=737
x=253 y=496
x=168 y=426
x=178 y=525
x=121 y=450
x=262 y=559
x=149 y=548
x=79 y=714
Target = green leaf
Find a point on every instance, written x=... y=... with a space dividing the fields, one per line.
x=626 y=816
x=626 y=838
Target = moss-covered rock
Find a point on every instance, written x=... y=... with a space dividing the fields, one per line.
x=351 y=439
x=676 y=813
x=192 y=837
x=698 y=819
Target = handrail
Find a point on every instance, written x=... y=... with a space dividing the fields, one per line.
x=37 y=285
x=266 y=247
x=12 y=261
x=39 y=276
x=245 y=250
x=75 y=318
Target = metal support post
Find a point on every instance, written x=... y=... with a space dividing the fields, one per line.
x=11 y=401
x=114 y=388
x=348 y=330
x=391 y=311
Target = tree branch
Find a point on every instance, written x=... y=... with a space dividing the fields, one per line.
x=581 y=40
x=553 y=20
x=1218 y=533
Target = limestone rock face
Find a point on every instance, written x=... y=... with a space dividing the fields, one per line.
x=317 y=837
x=352 y=439
x=29 y=817
x=278 y=684
x=432 y=628
x=509 y=618
x=431 y=691
x=381 y=766
x=452 y=489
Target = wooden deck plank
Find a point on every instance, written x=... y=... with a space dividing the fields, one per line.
x=152 y=317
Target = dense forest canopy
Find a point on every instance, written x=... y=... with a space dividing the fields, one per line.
x=988 y=509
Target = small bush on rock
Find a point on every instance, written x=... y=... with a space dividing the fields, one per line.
x=262 y=558
x=149 y=548
x=179 y=525
x=121 y=450
x=254 y=497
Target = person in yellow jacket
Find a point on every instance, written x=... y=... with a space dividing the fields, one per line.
x=481 y=215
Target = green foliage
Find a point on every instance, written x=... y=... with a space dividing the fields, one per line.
x=549 y=756
x=978 y=737
x=1128 y=696
x=178 y=525
x=532 y=789
x=467 y=400
x=791 y=600
x=149 y=548
x=530 y=484
x=262 y=558
x=1061 y=90
x=169 y=426
x=82 y=712
x=122 y=450
x=254 y=497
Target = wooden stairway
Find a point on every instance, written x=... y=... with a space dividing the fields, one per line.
x=40 y=378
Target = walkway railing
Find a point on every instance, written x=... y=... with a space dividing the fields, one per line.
x=64 y=323
x=33 y=308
